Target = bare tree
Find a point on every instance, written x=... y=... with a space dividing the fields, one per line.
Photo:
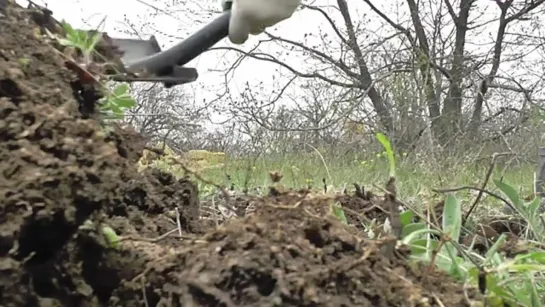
x=426 y=44
x=442 y=69
x=167 y=115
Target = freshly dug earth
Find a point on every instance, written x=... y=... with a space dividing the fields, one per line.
x=56 y=169
x=59 y=169
x=290 y=252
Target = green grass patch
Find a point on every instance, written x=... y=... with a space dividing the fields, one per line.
x=414 y=181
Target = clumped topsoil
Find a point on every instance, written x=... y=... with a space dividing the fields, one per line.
x=59 y=168
x=290 y=252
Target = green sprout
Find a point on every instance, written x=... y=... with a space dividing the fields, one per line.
x=81 y=40
x=109 y=234
x=389 y=152
x=24 y=61
x=116 y=101
x=339 y=213
x=111 y=237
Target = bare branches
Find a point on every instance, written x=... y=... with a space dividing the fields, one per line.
x=451 y=11
x=268 y=58
x=433 y=70
x=329 y=59
x=169 y=116
x=330 y=21
x=525 y=10
x=496 y=60
x=350 y=109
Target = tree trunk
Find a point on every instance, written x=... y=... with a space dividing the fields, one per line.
x=366 y=80
x=424 y=62
x=451 y=118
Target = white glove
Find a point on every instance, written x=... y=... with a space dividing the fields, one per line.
x=254 y=16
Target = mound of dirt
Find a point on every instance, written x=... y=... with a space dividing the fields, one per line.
x=289 y=253
x=359 y=209
x=130 y=143
x=149 y=199
x=56 y=168
x=62 y=175
x=59 y=169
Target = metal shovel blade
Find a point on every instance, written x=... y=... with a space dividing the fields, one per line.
x=167 y=66
x=134 y=50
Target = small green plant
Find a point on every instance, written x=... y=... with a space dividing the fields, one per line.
x=81 y=40
x=389 y=152
x=515 y=282
x=111 y=237
x=441 y=253
x=115 y=102
x=529 y=211
x=339 y=213
x=24 y=61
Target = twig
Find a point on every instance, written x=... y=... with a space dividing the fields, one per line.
x=360 y=260
x=297 y=204
x=435 y=252
x=178 y=223
x=362 y=214
x=144 y=296
x=169 y=220
x=215 y=211
x=323 y=161
x=438 y=300
x=395 y=218
x=153 y=240
x=485 y=182
x=476 y=189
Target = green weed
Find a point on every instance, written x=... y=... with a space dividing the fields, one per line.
x=115 y=101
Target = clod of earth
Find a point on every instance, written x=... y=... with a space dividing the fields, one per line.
x=60 y=168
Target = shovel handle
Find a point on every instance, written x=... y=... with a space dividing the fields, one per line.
x=185 y=51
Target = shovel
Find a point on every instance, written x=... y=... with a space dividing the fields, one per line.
x=144 y=61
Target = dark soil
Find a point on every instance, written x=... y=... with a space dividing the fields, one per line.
x=288 y=253
x=360 y=210
x=56 y=168
x=60 y=167
x=149 y=200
